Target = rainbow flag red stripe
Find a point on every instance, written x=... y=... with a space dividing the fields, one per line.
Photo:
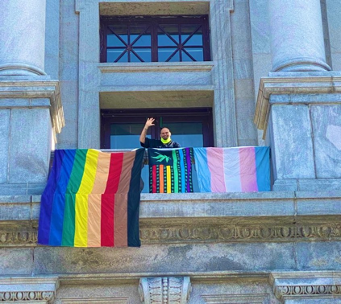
x=92 y=199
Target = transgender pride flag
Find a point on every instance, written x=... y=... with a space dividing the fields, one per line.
x=240 y=169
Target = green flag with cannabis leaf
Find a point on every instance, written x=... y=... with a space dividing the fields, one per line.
x=170 y=170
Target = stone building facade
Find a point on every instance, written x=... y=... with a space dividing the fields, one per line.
x=272 y=76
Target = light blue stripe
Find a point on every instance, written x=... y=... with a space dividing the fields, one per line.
x=182 y=168
x=263 y=168
x=201 y=166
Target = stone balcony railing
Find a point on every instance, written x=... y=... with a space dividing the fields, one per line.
x=204 y=217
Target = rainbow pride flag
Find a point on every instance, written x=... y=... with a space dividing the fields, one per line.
x=92 y=199
x=170 y=170
x=240 y=169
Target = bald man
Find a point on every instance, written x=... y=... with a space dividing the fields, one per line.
x=165 y=140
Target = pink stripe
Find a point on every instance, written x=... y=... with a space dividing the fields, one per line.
x=248 y=175
x=215 y=159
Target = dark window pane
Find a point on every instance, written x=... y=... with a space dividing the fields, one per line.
x=196 y=53
x=164 y=39
x=119 y=30
x=165 y=53
x=141 y=32
x=124 y=58
x=175 y=58
x=195 y=40
x=112 y=55
x=144 y=54
x=112 y=40
x=143 y=40
x=187 y=134
x=133 y=58
x=185 y=57
x=192 y=33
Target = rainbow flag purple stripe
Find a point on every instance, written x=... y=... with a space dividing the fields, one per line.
x=240 y=169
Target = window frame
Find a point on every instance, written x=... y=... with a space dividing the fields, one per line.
x=154 y=22
x=203 y=115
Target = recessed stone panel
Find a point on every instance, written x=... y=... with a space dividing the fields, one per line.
x=16 y=261
x=326 y=121
x=30 y=144
x=319 y=256
x=292 y=148
x=165 y=259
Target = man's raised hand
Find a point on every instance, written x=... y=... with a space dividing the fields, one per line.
x=150 y=122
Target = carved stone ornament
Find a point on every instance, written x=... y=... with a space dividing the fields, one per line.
x=165 y=290
x=13 y=296
x=306 y=285
x=28 y=289
x=27 y=236
x=233 y=233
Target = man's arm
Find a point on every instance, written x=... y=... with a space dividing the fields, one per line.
x=143 y=135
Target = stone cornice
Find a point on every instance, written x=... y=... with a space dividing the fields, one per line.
x=34 y=89
x=328 y=83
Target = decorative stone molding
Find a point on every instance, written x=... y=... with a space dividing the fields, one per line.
x=14 y=238
x=19 y=69
x=24 y=289
x=165 y=290
x=307 y=290
x=106 y=300
x=306 y=285
x=205 y=66
x=202 y=233
x=236 y=233
x=46 y=296
x=235 y=298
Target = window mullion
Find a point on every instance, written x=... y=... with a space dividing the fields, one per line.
x=180 y=42
x=205 y=38
x=154 y=42
x=129 y=46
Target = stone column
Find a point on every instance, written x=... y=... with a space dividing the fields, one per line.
x=297 y=36
x=22 y=36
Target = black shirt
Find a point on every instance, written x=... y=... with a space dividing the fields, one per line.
x=157 y=143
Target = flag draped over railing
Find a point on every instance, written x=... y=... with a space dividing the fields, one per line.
x=240 y=169
x=92 y=199
x=170 y=170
